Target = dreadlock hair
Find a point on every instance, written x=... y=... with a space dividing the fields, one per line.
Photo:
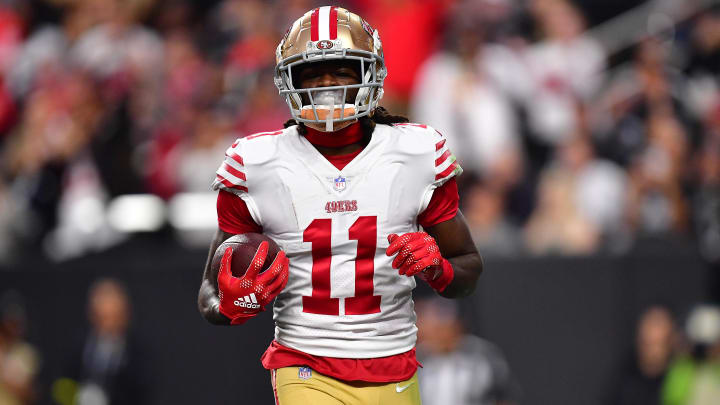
x=378 y=116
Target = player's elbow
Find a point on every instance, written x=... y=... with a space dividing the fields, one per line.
x=479 y=266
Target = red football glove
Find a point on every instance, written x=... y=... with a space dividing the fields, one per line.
x=418 y=254
x=244 y=297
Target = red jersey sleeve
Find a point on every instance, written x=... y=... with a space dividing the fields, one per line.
x=443 y=205
x=234 y=216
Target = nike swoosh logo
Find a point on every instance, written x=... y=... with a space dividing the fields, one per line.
x=400 y=389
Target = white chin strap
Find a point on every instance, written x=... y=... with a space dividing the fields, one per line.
x=329 y=119
x=328 y=99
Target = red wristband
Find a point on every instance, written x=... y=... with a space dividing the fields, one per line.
x=446 y=277
x=241 y=319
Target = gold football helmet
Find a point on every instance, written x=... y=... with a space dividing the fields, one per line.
x=324 y=34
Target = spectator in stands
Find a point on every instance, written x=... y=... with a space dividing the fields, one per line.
x=458 y=94
x=599 y=187
x=640 y=381
x=565 y=66
x=649 y=87
x=695 y=379
x=198 y=153
x=492 y=232
x=59 y=120
x=110 y=366
x=458 y=368
x=703 y=63
x=705 y=45
x=189 y=86
x=706 y=198
x=657 y=204
x=19 y=361
x=45 y=51
x=118 y=50
x=557 y=225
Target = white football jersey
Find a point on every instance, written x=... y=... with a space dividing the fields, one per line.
x=343 y=298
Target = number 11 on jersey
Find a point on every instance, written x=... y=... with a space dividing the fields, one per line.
x=318 y=233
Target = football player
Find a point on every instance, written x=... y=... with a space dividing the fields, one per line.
x=344 y=190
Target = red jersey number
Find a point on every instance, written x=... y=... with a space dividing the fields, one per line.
x=364 y=231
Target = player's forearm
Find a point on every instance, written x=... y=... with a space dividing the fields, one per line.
x=457 y=246
x=467 y=269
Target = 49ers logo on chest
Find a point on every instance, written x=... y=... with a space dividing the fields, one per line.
x=340 y=206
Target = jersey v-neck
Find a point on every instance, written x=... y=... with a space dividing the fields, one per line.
x=343 y=137
x=340 y=161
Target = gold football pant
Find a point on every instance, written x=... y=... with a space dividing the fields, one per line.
x=303 y=386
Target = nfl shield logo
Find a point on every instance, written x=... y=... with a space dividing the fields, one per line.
x=340 y=183
x=304 y=373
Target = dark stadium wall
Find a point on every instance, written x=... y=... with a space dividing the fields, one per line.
x=567 y=325
x=564 y=324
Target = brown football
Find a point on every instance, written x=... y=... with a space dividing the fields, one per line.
x=244 y=248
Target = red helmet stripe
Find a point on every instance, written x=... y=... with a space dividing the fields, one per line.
x=314 y=25
x=333 y=23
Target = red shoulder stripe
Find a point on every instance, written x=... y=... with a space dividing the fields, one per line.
x=442 y=158
x=229 y=184
x=410 y=124
x=264 y=134
x=236 y=158
x=447 y=171
x=235 y=172
x=439 y=145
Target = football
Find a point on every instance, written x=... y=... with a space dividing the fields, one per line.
x=244 y=248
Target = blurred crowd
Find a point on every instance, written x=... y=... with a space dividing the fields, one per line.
x=19 y=361
x=672 y=363
x=106 y=366
x=568 y=149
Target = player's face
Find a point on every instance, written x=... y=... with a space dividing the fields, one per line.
x=330 y=73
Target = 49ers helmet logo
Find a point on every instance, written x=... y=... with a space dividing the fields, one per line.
x=324 y=44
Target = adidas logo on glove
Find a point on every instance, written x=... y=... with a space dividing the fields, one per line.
x=248 y=301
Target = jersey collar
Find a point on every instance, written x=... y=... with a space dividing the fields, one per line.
x=343 y=137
